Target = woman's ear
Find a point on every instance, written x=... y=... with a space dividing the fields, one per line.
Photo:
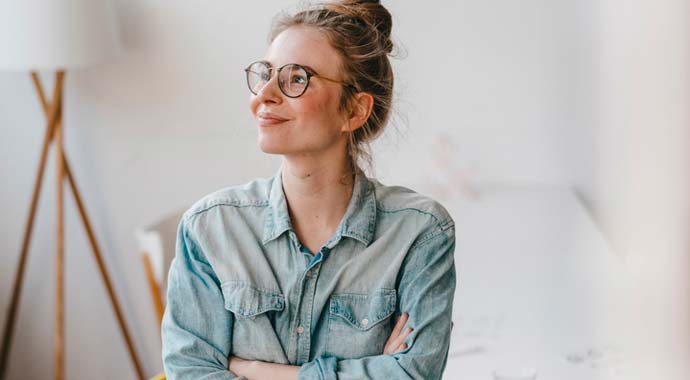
x=362 y=106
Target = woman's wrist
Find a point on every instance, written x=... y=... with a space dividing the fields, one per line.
x=264 y=370
x=258 y=370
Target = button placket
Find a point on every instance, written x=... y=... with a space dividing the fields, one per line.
x=304 y=329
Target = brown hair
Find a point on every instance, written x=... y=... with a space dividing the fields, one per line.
x=360 y=32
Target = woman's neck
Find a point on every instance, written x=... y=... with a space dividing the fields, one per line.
x=317 y=195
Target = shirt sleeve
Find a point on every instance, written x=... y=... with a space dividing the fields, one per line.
x=196 y=329
x=427 y=287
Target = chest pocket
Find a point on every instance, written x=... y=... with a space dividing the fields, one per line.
x=255 y=311
x=247 y=302
x=360 y=324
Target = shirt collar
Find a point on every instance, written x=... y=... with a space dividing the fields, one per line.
x=359 y=221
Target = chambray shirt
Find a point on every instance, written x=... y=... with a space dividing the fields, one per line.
x=242 y=284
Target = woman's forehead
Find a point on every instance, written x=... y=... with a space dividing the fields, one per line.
x=305 y=46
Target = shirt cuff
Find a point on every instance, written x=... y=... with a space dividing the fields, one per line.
x=321 y=368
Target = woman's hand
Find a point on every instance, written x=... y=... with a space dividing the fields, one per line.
x=254 y=369
x=239 y=366
x=396 y=342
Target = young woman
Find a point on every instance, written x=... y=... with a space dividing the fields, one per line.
x=303 y=275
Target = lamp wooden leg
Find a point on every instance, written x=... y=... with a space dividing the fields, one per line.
x=54 y=132
x=101 y=266
x=59 y=337
x=53 y=113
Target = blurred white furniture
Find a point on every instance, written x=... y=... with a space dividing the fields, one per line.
x=157 y=247
x=56 y=35
x=538 y=289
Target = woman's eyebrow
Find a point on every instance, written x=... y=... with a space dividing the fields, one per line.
x=309 y=68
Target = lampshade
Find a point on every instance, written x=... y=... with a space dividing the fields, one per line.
x=56 y=34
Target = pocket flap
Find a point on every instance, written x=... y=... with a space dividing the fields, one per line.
x=364 y=311
x=246 y=301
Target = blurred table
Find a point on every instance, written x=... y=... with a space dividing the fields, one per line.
x=538 y=289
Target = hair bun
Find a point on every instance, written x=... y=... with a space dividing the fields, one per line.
x=375 y=14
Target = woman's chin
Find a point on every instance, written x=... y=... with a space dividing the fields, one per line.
x=271 y=147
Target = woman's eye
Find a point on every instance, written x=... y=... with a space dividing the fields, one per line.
x=265 y=76
x=299 y=79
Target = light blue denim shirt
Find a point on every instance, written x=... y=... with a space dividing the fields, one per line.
x=242 y=284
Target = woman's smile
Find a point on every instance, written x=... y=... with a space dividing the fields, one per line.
x=266 y=119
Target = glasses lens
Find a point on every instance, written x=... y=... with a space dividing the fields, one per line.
x=258 y=74
x=293 y=80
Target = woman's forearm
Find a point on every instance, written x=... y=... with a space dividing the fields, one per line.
x=273 y=371
x=257 y=370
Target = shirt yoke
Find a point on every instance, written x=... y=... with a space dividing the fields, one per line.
x=253 y=193
x=389 y=199
x=394 y=199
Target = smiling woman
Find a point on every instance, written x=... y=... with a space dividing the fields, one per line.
x=303 y=275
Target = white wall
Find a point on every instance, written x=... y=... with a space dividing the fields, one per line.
x=643 y=184
x=513 y=85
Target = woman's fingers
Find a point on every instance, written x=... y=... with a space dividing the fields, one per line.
x=398 y=344
x=402 y=319
x=396 y=340
x=398 y=326
x=396 y=331
x=401 y=338
x=401 y=347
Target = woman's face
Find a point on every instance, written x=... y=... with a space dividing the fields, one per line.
x=312 y=123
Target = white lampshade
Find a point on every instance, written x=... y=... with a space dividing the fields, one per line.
x=56 y=34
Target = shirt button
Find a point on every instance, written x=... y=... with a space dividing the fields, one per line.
x=365 y=322
x=300 y=330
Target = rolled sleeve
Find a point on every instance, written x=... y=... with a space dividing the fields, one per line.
x=196 y=329
x=427 y=282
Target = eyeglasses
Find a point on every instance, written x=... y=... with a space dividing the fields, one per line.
x=293 y=79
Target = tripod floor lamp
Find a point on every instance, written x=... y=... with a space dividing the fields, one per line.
x=56 y=35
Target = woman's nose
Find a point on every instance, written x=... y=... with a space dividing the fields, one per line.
x=270 y=92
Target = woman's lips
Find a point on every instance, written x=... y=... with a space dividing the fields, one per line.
x=266 y=119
